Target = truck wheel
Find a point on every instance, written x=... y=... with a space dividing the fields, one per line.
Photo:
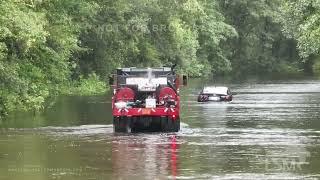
x=170 y=125
x=176 y=125
x=116 y=124
x=122 y=124
x=164 y=124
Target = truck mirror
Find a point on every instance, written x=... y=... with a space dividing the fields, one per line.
x=185 y=80
x=111 y=80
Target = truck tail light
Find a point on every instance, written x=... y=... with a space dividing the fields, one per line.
x=174 y=117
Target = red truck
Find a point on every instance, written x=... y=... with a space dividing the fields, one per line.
x=146 y=99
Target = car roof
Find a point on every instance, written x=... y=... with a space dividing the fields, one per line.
x=215 y=90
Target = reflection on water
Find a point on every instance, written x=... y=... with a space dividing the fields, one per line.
x=270 y=131
x=145 y=157
x=88 y=152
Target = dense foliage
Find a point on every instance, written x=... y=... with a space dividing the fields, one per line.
x=260 y=46
x=300 y=20
x=38 y=41
x=49 y=47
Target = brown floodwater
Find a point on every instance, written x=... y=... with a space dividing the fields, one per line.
x=270 y=131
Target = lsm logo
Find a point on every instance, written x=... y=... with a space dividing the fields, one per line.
x=292 y=163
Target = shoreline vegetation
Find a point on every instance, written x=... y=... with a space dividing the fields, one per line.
x=69 y=47
x=86 y=86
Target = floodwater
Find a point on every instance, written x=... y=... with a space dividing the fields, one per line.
x=270 y=131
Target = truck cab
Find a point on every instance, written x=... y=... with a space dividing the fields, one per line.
x=146 y=99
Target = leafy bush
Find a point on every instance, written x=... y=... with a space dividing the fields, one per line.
x=316 y=66
x=285 y=68
x=86 y=86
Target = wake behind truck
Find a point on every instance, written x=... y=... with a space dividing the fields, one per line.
x=146 y=99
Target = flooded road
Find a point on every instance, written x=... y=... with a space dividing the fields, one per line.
x=270 y=131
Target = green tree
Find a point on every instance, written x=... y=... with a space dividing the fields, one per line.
x=37 y=42
x=300 y=21
x=260 y=46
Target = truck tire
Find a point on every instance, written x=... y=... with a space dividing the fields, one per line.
x=170 y=125
x=176 y=127
x=121 y=124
